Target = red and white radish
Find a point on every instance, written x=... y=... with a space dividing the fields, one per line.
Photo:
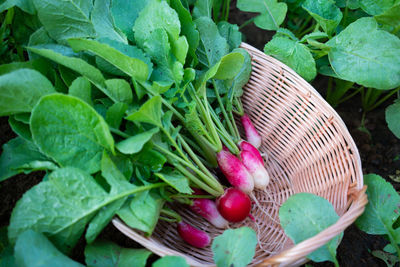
x=235 y=171
x=193 y=236
x=252 y=136
x=254 y=163
x=234 y=205
x=208 y=209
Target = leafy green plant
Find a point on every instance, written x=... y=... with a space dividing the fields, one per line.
x=235 y=247
x=382 y=212
x=355 y=43
x=123 y=116
x=304 y=215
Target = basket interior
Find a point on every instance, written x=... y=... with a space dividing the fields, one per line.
x=309 y=150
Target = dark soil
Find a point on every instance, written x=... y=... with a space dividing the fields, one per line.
x=379 y=152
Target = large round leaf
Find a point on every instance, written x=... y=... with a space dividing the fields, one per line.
x=364 y=54
x=70 y=131
x=375 y=7
x=393 y=118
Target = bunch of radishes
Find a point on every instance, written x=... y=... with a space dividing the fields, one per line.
x=243 y=173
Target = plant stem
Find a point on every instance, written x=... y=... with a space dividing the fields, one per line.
x=349 y=96
x=171 y=213
x=176 y=160
x=198 y=182
x=395 y=30
x=329 y=92
x=192 y=196
x=236 y=133
x=170 y=107
x=247 y=22
x=393 y=240
x=383 y=99
x=221 y=105
x=303 y=26
x=239 y=106
x=174 y=144
x=120 y=133
x=196 y=160
x=205 y=115
x=346 y=11
x=227 y=6
x=224 y=135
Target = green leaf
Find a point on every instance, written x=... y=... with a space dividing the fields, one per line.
x=67 y=75
x=133 y=67
x=364 y=54
x=382 y=209
x=76 y=64
x=303 y=216
x=75 y=135
x=39 y=37
x=115 y=114
x=102 y=219
x=244 y=73
x=33 y=249
x=393 y=118
x=82 y=89
x=103 y=22
x=118 y=184
x=23 y=117
x=114 y=176
x=271 y=12
x=60 y=207
x=283 y=32
x=390 y=17
x=66 y=19
x=156 y=15
x=235 y=247
x=64 y=204
x=188 y=27
x=108 y=254
x=135 y=143
x=125 y=14
x=294 y=54
x=149 y=112
x=168 y=69
x=120 y=90
x=129 y=50
x=203 y=8
x=176 y=180
x=212 y=45
x=180 y=48
x=388 y=258
x=325 y=12
x=168 y=261
x=313 y=36
x=41 y=65
x=21 y=89
x=143 y=211
x=20 y=128
x=229 y=66
x=151 y=159
x=374 y=7
x=25 y=5
x=18 y=154
x=231 y=33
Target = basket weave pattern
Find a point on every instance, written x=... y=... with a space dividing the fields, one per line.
x=309 y=150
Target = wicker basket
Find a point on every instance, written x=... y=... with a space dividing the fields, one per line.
x=310 y=150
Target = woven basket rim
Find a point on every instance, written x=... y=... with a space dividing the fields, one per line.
x=295 y=255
